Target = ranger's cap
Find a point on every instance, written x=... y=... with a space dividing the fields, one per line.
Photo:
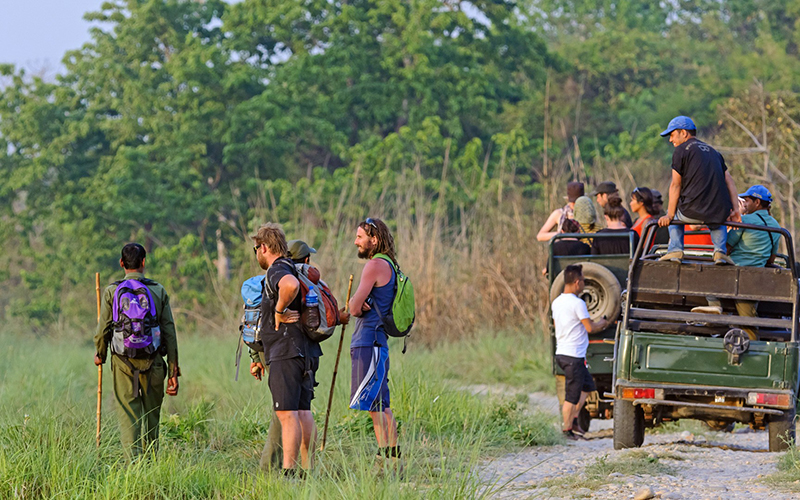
x=606 y=187
x=657 y=198
x=679 y=123
x=574 y=190
x=299 y=249
x=758 y=191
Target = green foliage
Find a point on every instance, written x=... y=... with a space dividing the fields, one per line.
x=185 y=124
x=213 y=431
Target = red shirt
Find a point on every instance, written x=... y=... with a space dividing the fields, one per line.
x=640 y=223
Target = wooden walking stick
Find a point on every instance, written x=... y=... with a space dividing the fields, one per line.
x=99 y=367
x=335 y=369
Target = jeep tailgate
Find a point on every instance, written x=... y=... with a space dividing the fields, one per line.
x=683 y=359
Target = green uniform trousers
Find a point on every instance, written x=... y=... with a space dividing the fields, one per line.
x=138 y=414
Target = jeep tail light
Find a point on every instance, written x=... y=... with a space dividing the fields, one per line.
x=632 y=393
x=768 y=399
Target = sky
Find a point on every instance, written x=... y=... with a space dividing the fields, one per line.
x=35 y=34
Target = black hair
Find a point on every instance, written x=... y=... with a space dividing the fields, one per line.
x=572 y=273
x=692 y=132
x=644 y=196
x=763 y=204
x=613 y=208
x=133 y=255
x=570 y=226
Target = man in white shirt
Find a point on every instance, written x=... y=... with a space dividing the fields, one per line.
x=573 y=326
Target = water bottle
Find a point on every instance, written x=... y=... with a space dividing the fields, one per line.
x=311 y=311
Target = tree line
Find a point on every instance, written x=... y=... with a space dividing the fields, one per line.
x=183 y=124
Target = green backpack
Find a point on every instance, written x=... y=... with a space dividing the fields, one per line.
x=401 y=318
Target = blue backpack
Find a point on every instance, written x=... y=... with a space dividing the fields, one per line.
x=250 y=323
x=136 y=332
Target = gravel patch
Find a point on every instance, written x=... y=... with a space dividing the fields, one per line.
x=711 y=465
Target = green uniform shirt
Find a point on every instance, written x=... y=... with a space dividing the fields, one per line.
x=750 y=247
x=169 y=338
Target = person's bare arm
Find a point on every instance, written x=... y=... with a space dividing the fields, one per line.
x=368 y=280
x=288 y=288
x=674 y=194
x=736 y=215
x=595 y=326
x=545 y=233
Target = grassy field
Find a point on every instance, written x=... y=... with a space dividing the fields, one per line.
x=213 y=431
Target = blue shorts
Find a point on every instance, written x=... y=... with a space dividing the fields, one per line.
x=369 y=381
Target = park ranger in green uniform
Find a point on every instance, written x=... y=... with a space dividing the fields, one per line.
x=139 y=382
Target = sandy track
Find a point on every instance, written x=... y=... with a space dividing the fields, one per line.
x=711 y=465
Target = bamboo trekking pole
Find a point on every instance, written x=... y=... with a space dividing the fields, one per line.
x=99 y=367
x=336 y=368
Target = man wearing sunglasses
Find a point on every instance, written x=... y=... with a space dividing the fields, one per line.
x=286 y=349
x=369 y=349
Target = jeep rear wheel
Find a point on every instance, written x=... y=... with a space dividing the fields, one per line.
x=782 y=432
x=602 y=292
x=628 y=425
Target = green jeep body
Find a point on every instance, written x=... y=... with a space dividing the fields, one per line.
x=671 y=363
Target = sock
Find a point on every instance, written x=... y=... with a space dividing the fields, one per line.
x=289 y=472
x=392 y=452
x=383 y=452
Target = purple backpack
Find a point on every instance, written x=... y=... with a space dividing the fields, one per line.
x=136 y=330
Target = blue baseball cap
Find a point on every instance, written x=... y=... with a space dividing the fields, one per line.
x=758 y=191
x=679 y=123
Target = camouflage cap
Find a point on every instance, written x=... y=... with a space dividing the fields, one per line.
x=584 y=211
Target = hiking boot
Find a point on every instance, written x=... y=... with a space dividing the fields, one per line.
x=676 y=256
x=571 y=436
x=707 y=309
x=720 y=259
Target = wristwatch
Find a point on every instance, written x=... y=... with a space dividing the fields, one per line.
x=282 y=312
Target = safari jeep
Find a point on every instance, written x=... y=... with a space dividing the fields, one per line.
x=605 y=276
x=670 y=363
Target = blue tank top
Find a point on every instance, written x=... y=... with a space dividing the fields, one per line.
x=369 y=328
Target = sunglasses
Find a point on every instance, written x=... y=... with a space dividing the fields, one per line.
x=369 y=222
x=255 y=249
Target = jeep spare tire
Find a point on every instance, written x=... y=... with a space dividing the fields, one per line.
x=601 y=293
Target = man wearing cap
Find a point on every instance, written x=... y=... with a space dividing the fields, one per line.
x=601 y=195
x=300 y=253
x=702 y=191
x=750 y=247
x=552 y=226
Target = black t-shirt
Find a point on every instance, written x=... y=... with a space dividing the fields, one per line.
x=289 y=341
x=570 y=247
x=626 y=218
x=609 y=246
x=704 y=194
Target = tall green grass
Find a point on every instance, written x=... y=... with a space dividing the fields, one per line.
x=213 y=431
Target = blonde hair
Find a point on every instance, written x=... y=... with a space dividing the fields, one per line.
x=271 y=235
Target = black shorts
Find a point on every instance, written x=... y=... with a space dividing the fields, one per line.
x=578 y=378
x=291 y=387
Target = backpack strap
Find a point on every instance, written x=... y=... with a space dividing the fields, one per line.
x=396 y=271
x=770 y=234
x=136 y=373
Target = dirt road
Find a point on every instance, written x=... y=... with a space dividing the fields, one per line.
x=685 y=464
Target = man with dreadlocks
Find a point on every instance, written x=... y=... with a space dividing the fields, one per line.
x=369 y=349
